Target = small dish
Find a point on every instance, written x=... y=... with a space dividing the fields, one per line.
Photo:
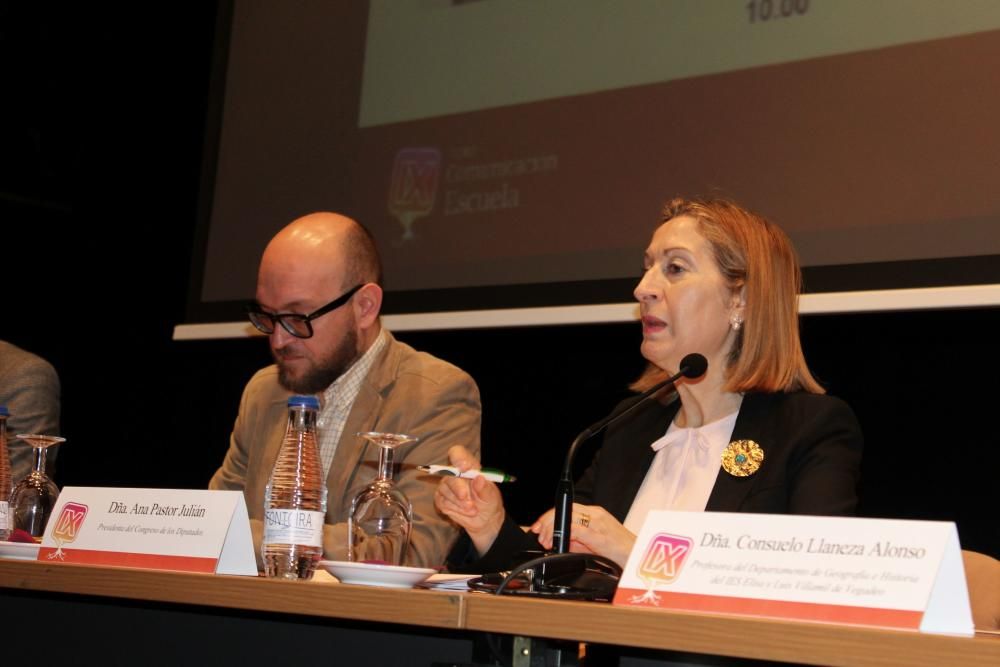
x=371 y=574
x=19 y=550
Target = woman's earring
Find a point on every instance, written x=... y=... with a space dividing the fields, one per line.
x=735 y=321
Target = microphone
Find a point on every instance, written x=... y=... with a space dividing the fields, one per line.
x=692 y=366
x=575 y=576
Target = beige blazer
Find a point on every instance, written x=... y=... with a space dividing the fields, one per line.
x=404 y=392
x=29 y=387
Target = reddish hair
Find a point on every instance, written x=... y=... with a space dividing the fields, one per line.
x=755 y=257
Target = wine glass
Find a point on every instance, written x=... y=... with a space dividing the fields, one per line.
x=33 y=497
x=381 y=515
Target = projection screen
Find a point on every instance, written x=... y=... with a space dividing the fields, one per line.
x=513 y=156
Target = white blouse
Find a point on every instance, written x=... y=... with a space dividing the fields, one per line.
x=683 y=471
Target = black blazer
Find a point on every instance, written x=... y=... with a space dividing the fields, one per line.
x=812 y=459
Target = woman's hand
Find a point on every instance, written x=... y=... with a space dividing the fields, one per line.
x=593 y=530
x=474 y=504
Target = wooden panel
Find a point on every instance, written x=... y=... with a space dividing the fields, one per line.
x=413 y=607
x=809 y=643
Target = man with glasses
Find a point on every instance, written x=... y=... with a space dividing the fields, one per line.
x=318 y=301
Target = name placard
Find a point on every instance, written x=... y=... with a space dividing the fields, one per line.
x=159 y=529
x=875 y=572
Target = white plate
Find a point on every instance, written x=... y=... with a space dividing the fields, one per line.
x=370 y=574
x=20 y=550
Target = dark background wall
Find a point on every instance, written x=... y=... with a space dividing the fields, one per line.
x=101 y=136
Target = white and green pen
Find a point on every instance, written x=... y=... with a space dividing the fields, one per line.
x=492 y=474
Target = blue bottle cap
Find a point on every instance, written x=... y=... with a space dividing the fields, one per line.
x=4 y=412
x=310 y=402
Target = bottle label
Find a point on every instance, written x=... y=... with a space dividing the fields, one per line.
x=5 y=518
x=293 y=527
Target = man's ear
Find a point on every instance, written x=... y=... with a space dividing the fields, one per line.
x=367 y=305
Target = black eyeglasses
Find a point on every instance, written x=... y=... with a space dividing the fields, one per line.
x=297 y=325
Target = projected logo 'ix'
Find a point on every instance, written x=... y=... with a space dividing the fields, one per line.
x=661 y=564
x=414 y=185
x=67 y=527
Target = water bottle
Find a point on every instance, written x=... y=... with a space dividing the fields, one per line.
x=6 y=518
x=295 y=498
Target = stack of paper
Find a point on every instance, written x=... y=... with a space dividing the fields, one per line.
x=448 y=582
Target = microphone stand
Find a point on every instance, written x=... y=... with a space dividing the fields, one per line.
x=561 y=530
x=560 y=574
x=581 y=576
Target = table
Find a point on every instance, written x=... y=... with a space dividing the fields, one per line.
x=442 y=621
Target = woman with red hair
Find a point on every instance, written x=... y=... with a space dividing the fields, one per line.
x=755 y=433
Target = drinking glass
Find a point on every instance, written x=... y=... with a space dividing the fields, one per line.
x=381 y=515
x=33 y=497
